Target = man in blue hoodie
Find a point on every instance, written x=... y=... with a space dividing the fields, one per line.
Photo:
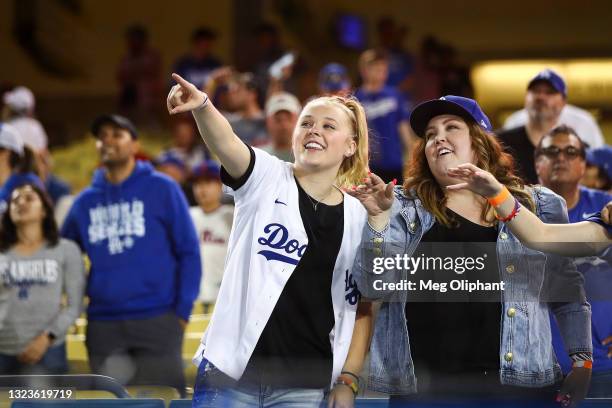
x=134 y=225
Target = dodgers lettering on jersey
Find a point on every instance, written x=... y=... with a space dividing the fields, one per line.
x=118 y=223
x=278 y=238
x=350 y=288
x=25 y=273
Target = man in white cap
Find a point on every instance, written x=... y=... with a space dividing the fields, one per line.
x=19 y=110
x=19 y=113
x=16 y=166
x=282 y=110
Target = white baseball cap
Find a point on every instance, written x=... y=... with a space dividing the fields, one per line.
x=20 y=99
x=283 y=101
x=10 y=139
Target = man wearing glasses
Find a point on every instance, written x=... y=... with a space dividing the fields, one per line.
x=560 y=164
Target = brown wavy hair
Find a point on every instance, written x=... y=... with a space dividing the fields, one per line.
x=420 y=182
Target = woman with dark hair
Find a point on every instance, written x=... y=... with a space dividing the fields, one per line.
x=37 y=268
x=492 y=343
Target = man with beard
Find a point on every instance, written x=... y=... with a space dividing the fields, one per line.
x=134 y=224
x=560 y=164
x=546 y=97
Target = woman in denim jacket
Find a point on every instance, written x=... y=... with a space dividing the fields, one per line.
x=454 y=131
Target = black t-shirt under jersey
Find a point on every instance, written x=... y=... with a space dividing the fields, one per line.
x=294 y=349
x=450 y=338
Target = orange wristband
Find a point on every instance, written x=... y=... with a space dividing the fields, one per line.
x=348 y=381
x=499 y=198
x=584 y=364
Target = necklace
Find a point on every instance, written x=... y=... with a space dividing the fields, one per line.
x=315 y=203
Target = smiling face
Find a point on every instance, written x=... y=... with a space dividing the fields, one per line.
x=447 y=144
x=323 y=137
x=115 y=146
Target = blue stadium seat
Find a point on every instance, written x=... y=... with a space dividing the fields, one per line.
x=182 y=403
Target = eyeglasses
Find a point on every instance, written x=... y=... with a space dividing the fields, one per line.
x=552 y=152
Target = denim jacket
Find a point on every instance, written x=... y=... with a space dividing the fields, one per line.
x=526 y=354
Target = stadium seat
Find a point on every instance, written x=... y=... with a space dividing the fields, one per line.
x=180 y=403
x=153 y=391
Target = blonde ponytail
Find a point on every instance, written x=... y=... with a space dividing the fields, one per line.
x=353 y=168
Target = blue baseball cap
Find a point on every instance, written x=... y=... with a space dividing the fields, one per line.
x=334 y=77
x=169 y=158
x=555 y=80
x=208 y=170
x=465 y=108
x=601 y=157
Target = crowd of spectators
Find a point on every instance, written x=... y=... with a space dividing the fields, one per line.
x=174 y=206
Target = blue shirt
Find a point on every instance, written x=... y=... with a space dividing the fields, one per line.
x=598 y=281
x=401 y=65
x=56 y=188
x=143 y=247
x=196 y=71
x=590 y=202
x=385 y=110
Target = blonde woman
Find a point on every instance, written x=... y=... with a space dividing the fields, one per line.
x=284 y=318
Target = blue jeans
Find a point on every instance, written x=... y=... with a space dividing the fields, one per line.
x=215 y=389
x=54 y=361
x=601 y=385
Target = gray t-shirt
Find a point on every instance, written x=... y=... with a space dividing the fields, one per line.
x=33 y=287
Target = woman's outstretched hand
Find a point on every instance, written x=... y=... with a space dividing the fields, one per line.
x=474 y=179
x=184 y=96
x=374 y=194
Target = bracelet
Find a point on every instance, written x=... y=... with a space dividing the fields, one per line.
x=500 y=197
x=345 y=380
x=355 y=376
x=514 y=213
x=203 y=104
x=581 y=356
x=583 y=364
